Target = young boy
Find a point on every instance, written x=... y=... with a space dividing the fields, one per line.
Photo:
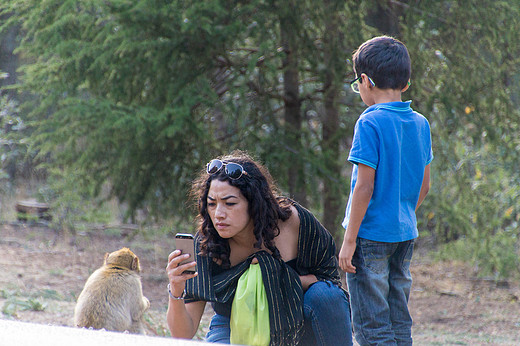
x=391 y=152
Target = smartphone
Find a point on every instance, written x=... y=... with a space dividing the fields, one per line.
x=185 y=243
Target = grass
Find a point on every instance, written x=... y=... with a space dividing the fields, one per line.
x=159 y=328
x=7 y=202
x=12 y=305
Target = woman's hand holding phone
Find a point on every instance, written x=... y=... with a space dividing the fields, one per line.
x=186 y=243
x=181 y=265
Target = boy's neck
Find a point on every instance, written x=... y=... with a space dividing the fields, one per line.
x=384 y=95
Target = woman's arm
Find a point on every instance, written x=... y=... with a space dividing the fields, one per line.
x=316 y=250
x=183 y=319
x=287 y=244
x=307 y=281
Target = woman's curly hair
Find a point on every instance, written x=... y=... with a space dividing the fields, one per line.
x=266 y=208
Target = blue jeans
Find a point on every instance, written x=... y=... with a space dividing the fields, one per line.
x=219 y=331
x=326 y=318
x=326 y=312
x=379 y=292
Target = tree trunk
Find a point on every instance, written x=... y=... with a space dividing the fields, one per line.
x=8 y=60
x=385 y=17
x=292 y=115
x=330 y=143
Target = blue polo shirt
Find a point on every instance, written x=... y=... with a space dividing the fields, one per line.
x=395 y=141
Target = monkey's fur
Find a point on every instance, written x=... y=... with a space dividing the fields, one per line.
x=113 y=296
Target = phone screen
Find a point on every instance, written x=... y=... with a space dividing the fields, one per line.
x=185 y=243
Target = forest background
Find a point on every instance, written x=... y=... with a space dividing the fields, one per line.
x=124 y=101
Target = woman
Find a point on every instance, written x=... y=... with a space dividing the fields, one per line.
x=242 y=221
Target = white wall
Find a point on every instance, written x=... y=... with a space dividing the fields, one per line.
x=14 y=333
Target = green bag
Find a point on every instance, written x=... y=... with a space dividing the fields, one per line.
x=250 y=310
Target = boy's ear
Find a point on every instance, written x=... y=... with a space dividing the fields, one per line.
x=365 y=79
x=406 y=87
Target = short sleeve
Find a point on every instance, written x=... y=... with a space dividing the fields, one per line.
x=365 y=144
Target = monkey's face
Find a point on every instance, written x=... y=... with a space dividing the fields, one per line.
x=123 y=258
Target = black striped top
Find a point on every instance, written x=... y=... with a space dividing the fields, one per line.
x=316 y=255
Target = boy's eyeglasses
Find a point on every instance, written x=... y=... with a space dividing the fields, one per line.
x=233 y=170
x=355 y=84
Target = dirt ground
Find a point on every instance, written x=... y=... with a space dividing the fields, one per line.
x=42 y=275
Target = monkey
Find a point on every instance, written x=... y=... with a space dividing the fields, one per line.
x=112 y=298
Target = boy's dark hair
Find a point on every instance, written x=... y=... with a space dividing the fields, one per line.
x=385 y=60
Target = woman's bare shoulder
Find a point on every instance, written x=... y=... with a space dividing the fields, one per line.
x=292 y=224
x=287 y=240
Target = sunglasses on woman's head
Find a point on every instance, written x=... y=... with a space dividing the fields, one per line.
x=233 y=170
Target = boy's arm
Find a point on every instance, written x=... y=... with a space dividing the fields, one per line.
x=425 y=187
x=360 y=200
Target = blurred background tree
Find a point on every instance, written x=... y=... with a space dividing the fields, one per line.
x=134 y=97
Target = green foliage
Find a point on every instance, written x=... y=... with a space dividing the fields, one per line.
x=142 y=94
x=12 y=305
x=13 y=147
x=16 y=301
x=50 y=294
x=480 y=223
x=110 y=101
x=495 y=256
x=70 y=204
x=131 y=98
x=4 y=294
x=464 y=81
